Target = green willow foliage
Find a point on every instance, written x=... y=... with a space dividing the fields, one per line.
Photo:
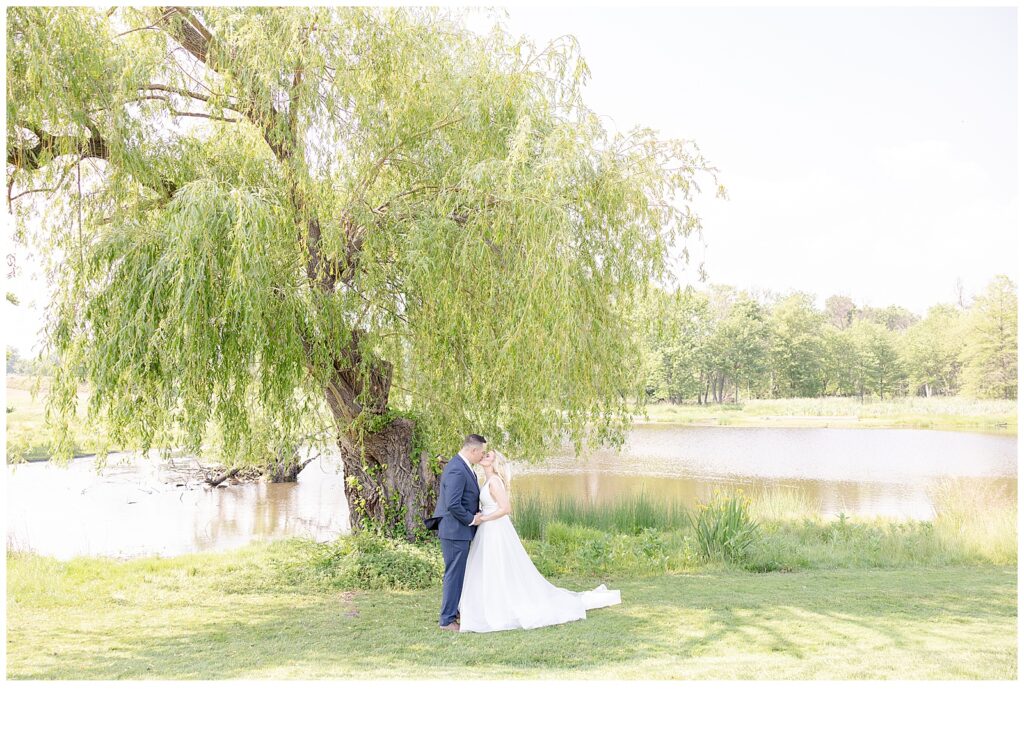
x=263 y=187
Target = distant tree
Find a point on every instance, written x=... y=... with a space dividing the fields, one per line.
x=720 y=301
x=839 y=362
x=717 y=340
x=961 y=299
x=840 y=310
x=797 y=347
x=743 y=338
x=878 y=368
x=894 y=317
x=932 y=349
x=990 y=350
x=676 y=358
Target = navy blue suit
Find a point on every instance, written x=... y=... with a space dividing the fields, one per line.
x=457 y=502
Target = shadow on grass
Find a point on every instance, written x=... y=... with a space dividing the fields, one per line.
x=684 y=617
x=888 y=609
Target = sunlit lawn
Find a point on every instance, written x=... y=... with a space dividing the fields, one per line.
x=215 y=616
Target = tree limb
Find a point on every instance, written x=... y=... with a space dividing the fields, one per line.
x=56 y=187
x=185 y=113
x=197 y=40
x=24 y=157
x=211 y=116
x=384 y=158
x=217 y=480
x=177 y=91
x=192 y=34
x=30 y=158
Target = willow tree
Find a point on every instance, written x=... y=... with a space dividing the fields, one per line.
x=375 y=211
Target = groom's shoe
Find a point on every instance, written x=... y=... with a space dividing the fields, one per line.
x=451 y=626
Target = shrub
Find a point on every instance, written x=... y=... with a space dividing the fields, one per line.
x=723 y=528
x=363 y=561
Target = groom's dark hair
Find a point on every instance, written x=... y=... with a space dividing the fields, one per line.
x=474 y=440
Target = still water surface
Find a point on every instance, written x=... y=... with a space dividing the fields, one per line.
x=886 y=472
x=135 y=507
x=142 y=505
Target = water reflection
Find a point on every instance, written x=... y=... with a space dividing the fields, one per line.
x=134 y=508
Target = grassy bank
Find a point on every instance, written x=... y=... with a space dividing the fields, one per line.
x=848 y=412
x=235 y=615
x=975 y=523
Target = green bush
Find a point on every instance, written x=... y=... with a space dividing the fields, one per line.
x=723 y=528
x=362 y=561
x=776 y=553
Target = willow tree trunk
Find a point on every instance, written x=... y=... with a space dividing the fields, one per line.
x=386 y=488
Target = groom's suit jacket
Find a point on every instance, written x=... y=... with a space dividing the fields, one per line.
x=458 y=501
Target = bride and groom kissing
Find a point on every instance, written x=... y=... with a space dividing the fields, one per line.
x=490 y=583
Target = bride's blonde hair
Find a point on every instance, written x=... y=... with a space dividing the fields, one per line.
x=503 y=469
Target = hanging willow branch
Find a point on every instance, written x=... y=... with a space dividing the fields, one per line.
x=404 y=220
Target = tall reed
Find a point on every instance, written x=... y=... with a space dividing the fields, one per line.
x=977 y=519
x=532 y=513
x=780 y=502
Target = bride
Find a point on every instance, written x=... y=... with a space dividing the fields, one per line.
x=503 y=589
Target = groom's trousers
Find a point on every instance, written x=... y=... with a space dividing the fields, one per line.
x=454 y=553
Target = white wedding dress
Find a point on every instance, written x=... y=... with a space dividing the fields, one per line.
x=502 y=589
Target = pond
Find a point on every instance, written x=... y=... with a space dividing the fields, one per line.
x=143 y=505
x=867 y=472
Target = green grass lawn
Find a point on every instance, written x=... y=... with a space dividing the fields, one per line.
x=227 y=616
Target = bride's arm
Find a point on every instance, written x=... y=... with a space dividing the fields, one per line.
x=497 y=490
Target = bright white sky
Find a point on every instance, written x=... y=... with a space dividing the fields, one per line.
x=869 y=152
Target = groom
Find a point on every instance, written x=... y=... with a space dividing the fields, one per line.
x=459 y=504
